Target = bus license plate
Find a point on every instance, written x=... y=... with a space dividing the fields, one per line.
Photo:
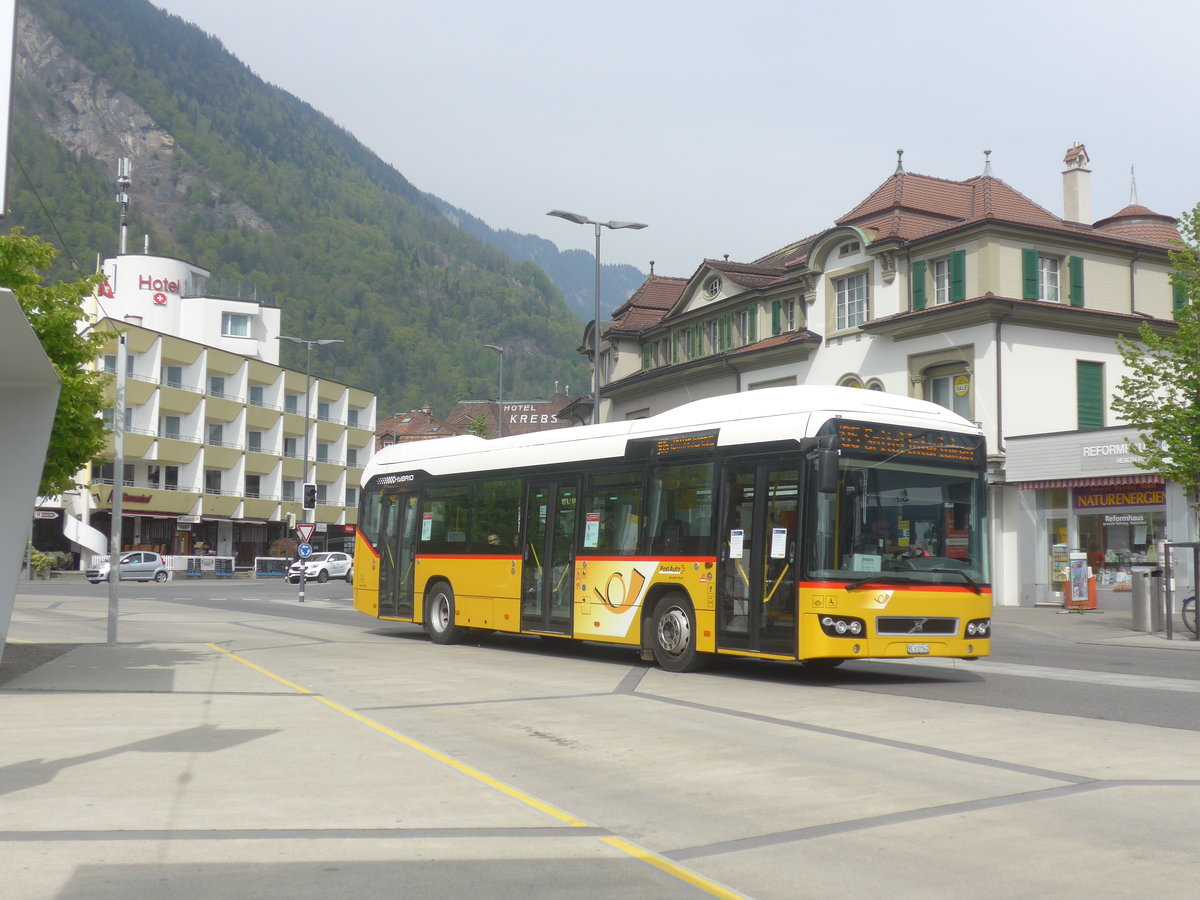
x=918 y=649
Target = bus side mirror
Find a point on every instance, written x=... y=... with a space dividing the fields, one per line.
x=827 y=471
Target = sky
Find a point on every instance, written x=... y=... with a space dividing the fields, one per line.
x=733 y=127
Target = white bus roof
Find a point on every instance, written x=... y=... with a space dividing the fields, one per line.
x=770 y=414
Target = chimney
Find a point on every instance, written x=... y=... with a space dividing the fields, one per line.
x=1077 y=186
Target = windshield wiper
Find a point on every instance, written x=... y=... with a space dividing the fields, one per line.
x=967 y=578
x=885 y=578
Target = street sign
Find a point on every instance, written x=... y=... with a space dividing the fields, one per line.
x=304 y=551
x=305 y=530
x=45 y=514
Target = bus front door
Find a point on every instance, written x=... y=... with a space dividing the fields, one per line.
x=757 y=578
x=397 y=549
x=548 y=570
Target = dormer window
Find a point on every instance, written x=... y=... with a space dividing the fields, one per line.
x=713 y=288
x=847 y=249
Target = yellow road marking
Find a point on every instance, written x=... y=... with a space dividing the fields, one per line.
x=639 y=853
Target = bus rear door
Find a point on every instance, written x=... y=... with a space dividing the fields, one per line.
x=757 y=557
x=548 y=570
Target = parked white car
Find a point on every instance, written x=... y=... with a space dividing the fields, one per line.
x=320 y=567
x=138 y=565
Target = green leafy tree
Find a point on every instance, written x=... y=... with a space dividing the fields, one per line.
x=479 y=427
x=1160 y=393
x=55 y=313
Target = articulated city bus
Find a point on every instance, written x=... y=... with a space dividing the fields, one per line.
x=816 y=524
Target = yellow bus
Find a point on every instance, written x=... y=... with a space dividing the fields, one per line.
x=815 y=524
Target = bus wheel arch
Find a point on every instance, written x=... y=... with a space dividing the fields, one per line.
x=673 y=634
x=440 y=612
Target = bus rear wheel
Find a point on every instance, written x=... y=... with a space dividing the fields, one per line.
x=673 y=635
x=439 y=615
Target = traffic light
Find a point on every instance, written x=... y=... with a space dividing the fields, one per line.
x=310 y=496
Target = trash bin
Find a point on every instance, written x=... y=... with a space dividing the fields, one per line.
x=1147 y=615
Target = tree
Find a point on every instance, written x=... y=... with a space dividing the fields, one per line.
x=55 y=313
x=479 y=427
x=1160 y=393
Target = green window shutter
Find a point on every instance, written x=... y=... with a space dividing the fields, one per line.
x=752 y=338
x=647 y=356
x=1029 y=274
x=1179 y=296
x=776 y=316
x=958 y=275
x=1089 y=389
x=918 y=284
x=1075 y=271
x=674 y=351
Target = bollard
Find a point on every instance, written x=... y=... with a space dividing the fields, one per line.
x=1144 y=598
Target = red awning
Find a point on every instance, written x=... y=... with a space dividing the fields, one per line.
x=1106 y=481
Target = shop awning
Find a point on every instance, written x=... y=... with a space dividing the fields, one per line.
x=1105 y=481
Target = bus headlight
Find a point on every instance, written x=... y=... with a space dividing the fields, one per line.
x=980 y=628
x=842 y=626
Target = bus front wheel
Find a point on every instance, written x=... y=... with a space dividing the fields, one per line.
x=673 y=634
x=439 y=615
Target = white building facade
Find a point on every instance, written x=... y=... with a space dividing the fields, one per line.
x=215 y=430
x=965 y=293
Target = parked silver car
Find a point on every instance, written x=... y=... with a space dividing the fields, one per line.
x=137 y=565
x=320 y=567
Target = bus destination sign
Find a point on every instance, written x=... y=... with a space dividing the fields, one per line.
x=876 y=439
x=672 y=444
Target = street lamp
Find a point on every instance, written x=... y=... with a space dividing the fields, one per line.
x=584 y=220
x=308 y=393
x=500 y=393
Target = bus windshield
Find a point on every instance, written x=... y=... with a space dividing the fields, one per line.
x=892 y=522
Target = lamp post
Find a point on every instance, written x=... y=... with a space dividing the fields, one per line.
x=584 y=220
x=500 y=392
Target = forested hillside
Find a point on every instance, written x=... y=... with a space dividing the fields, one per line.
x=244 y=179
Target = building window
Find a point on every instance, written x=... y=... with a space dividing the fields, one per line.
x=169 y=427
x=322 y=494
x=153 y=475
x=747 y=326
x=212 y=481
x=713 y=288
x=289 y=448
x=352 y=497
x=950 y=387
x=172 y=376
x=322 y=452
x=789 y=315
x=712 y=336
x=172 y=478
x=851 y=301
x=110 y=364
x=352 y=418
x=216 y=385
x=941 y=281
x=1041 y=276
x=289 y=491
x=216 y=431
x=323 y=410
x=254 y=440
x=291 y=403
x=253 y=483
x=1089 y=388
x=235 y=325
x=256 y=395
x=352 y=456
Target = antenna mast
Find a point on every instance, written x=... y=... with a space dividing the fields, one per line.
x=124 y=180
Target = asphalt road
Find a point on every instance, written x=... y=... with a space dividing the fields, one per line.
x=1063 y=765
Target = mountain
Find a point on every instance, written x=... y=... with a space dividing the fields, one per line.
x=572 y=271
x=246 y=180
